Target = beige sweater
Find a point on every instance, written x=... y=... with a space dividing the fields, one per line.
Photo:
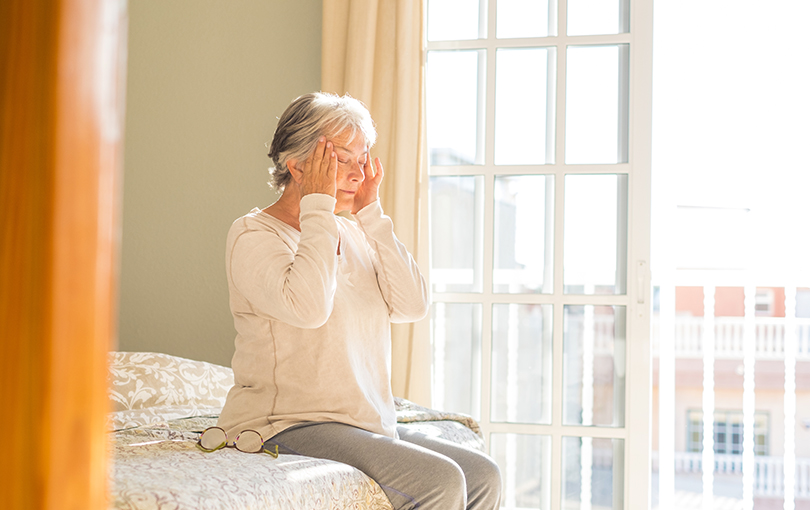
x=313 y=337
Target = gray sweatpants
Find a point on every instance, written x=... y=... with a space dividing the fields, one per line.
x=415 y=471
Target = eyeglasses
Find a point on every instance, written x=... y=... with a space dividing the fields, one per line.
x=248 y=441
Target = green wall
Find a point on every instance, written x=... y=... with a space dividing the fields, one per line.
x=206 y=81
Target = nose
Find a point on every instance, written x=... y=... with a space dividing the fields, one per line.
x=356 y=173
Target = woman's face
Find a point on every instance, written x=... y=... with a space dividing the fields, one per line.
x=352 y=155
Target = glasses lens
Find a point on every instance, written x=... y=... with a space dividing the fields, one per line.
x=249 y=441
x=212 y=439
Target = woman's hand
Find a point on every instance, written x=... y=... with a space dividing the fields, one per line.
x=369 y=189
x=320 y=170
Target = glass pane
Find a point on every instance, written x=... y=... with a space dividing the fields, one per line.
x=456 y=229
x=522 y=18
x=595 y=236
x=525 y=463
x=456 y=338
x=594 y=339
x=521 y=363
x=596 y=17
x=593 y=473
x=521 y=92
x=453 y=19
x=523 y=234
x=454 y=115
x=803 y=312
x=596 y=105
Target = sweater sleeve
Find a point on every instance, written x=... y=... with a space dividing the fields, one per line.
x=402 y=284
x=293 y=286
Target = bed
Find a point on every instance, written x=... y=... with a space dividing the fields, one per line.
x=161 y=403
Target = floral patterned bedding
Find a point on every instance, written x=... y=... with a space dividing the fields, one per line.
x=162 y=402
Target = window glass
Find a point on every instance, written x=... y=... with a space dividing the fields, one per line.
x=596 y=17
x=523 y=234
x=803 y=309
x=596 y=105
x=521 y=363
x=525 y=462
x=454 y=119
x=594 y=343
x=455 y=233
x=522 y=18
x=453 y=20
x=523 y=107
x=456 y=340
x=592 y=473
x=595 y=223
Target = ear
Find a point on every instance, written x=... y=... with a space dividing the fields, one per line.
x=292 y=166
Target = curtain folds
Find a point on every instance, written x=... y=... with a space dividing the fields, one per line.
x=373 y=50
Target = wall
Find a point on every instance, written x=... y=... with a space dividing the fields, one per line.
x=206 y=83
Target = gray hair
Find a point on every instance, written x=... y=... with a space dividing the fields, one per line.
x=305 y=120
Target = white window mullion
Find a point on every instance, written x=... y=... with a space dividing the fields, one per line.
x=558 y=303
x=559 y=109
x=557 y=382
x=551 y=105
x=749 y=402
x=789 y=463
x=559 y=227
x=666 y=393
x=549 y=229
x=708 y=397
x=486 y=123
x=486 y=208
x=586 y=454
x=484 y=137
x=558 y=313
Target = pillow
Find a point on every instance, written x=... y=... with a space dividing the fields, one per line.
x=141 y=380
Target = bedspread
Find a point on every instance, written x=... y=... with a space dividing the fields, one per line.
x=157 y=465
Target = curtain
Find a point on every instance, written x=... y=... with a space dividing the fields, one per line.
x=373 y=50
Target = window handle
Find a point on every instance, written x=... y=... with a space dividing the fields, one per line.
x=641 y=277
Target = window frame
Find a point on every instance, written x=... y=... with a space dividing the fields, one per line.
x=637 y=298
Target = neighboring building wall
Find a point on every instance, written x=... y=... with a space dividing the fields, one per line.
x=769 y=395
x=729 y=301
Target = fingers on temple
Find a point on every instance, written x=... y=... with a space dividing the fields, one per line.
x=378 y=167
x=326 y=157
x=318 y=154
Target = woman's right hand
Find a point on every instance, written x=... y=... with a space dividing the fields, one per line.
x=320 y=170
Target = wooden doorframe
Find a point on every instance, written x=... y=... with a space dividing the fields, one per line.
x=62 y=69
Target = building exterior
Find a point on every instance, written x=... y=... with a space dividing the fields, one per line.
x=781 y=404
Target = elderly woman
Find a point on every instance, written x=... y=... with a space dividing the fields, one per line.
x=313 y=295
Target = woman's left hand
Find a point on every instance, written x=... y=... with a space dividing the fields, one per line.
x=369 y=189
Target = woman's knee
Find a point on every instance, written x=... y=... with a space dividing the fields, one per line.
x=483 y=483
x=438 y=482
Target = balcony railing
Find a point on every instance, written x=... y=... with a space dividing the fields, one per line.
x=768 y=471
x=769 y=337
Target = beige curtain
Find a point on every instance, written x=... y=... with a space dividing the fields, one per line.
x=373 y=50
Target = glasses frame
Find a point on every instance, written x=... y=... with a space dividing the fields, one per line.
x=225 y=444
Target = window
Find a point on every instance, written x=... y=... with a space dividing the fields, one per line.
x=728 y=432
x=538 y=229
x=764 y=302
